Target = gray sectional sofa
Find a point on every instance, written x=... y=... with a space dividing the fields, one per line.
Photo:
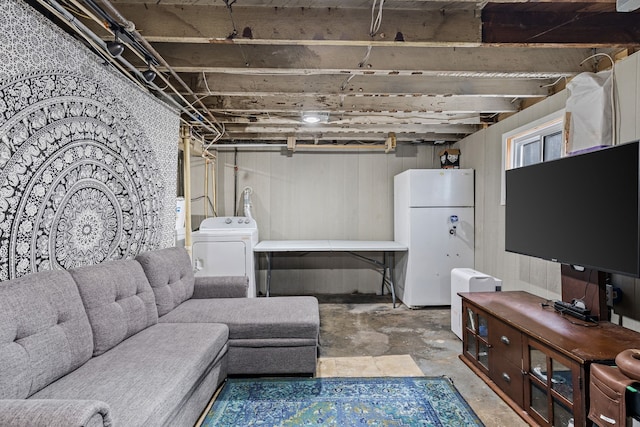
x=139 y=342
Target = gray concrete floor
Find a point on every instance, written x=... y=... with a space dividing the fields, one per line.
x=367 y=325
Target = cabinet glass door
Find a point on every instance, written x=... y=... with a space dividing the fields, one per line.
x=477 y=335
x=562 y=414
x=562 y=380
x=551 y=382
x=539 y=400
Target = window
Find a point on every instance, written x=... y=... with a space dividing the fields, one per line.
x=536 y=148
x=536 y=142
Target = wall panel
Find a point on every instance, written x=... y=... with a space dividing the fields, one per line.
x=320 y=195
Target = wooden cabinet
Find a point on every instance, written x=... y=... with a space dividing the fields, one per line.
x=534 y=358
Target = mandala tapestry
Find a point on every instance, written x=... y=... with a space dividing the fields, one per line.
x=87 y=159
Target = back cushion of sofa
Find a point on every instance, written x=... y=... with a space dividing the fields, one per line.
x=170 y=275
x=44 y=332
x=118 y=300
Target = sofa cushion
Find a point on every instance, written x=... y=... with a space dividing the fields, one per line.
x=170 y=275
x=44 y=332
x=254 y=318
x=148 y=377
x=118 y=300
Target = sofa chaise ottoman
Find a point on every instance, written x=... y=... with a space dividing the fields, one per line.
x=276 y=335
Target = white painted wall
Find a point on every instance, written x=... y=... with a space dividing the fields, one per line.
x=317 y=195
x=482 y=152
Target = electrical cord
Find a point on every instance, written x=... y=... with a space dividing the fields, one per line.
x=374 y=27
x=195 y=199
x=376 y=19
x=234 y=33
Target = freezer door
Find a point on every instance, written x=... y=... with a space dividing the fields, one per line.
x=441 y=187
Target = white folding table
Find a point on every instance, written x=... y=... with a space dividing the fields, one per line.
x=352 y=247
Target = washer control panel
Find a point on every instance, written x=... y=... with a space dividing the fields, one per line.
x=227 y=222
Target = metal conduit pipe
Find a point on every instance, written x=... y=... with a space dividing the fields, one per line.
x=205 y=206
x=257 y=145
x=58 y=10
x=128 y=25
x=214 y=192
x=164 y=63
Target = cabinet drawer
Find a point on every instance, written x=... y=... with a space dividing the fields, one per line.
x=510 y=380
x=506 y=342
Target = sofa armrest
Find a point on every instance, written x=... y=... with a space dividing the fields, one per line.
x=53 y=412
x=221 y=287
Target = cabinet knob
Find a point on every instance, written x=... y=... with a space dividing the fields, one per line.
x=506 y=377
x=505 y=340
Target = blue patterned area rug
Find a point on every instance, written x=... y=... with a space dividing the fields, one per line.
x=408 y=401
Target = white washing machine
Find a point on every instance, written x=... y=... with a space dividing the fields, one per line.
x=224 y=247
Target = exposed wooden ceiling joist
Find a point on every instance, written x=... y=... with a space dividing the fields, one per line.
x=434 y=70
x=504 y=62
x=331 y=84
x=362 y=104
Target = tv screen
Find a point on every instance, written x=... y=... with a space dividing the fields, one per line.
x=579 y=210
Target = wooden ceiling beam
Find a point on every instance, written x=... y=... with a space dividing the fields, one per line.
x=341 y=136
x=445 y=5
x=346 y=119
x=278 y=85
x=505 y=62
x=362 y=104
x=303 y=128
x=160 y=22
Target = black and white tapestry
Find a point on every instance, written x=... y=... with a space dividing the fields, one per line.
x=87 y=159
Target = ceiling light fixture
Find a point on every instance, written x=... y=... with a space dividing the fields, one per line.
x=115 y=47
x=148 y=75
x=315 y=117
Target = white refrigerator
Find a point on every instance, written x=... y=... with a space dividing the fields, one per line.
x=434 y=217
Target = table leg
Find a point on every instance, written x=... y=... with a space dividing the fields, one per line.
x=268 y=273
x=384 y=271
x=390 y=269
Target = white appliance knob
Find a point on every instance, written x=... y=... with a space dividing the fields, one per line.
x=247 y=221
x=227 y=221
x=240 y=221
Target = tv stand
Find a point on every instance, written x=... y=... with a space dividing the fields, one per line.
x=535 y=359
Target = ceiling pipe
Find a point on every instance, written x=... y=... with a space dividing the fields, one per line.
x=58 y=10
x=161 y=60
x=257 y=145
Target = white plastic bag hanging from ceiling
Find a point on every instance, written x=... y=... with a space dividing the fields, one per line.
x=590 y=111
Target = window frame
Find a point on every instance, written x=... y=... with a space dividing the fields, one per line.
x=531 y=132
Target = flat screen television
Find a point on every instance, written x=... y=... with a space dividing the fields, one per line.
x=579 y=210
